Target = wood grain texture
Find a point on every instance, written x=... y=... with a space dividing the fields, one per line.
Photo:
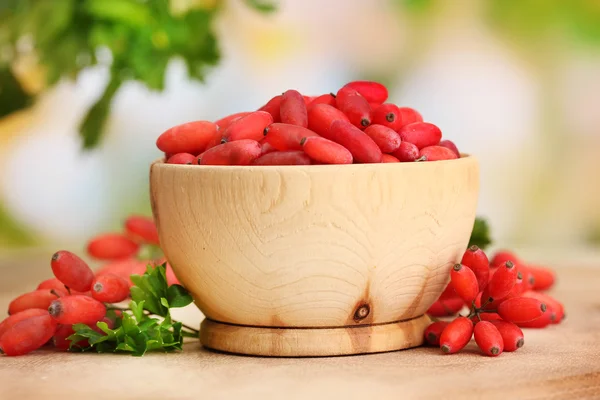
x=561 y=362
x=314 y=246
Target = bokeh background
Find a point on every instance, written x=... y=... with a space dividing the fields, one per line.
x=514 y=82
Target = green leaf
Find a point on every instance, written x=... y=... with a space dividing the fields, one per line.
x=138 y=309
x=481 y=234
x=262 y=5
x=164 y=302
x=127 y=12
x=92 y=127
x=178 y=296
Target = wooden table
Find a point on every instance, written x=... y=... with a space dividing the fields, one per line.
x=561 y=362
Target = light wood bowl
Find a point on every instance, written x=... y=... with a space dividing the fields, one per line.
x=314 y=260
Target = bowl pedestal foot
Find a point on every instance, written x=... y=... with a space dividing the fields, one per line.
x=313 y=342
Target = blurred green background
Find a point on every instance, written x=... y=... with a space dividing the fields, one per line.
x=86 y=86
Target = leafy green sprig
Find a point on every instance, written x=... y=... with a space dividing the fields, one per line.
x=146 y=325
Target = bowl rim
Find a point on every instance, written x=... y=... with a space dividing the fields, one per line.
x=161 y=163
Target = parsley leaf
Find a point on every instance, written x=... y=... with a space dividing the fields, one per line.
x=480 y=236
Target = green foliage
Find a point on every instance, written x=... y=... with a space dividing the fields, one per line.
x=136 y=38
x=137 y=331
x=481 y=234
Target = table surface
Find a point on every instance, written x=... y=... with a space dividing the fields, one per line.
x=560 y=362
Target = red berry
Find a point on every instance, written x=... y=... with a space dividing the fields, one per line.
x=446 y=308
x=547 y=318
x=110 y=288
x=72 y=271
x=456 y=335
x=488 y=338
x=51 y=283
x=433 y=332
x=512 y=335
x=388 y=158
x=239 y=152
x=387 y=115
x=517 y=290
x=450 y=146
x=486 y=317
x=142 y=229
x=286 y=137
x=266 y=147
x=77 y=309
x=406 y=152
x=308 y=99
x=27 y=335
x=436 y=153
x=326 y=151
x=12 y=320
x=250 y=127
x=409 y=115
x=362 y=147
x=328 y=99
x=224 y=122
x=373 y=92
x=448 y=293
x=356 y=107
x=36 y=299
x=421 y=134
x=272 y=107
x=543 y=278
x=293 y=109
x=464 y=282
x=191 y=137
x=477 y=261
x=321 y=116
x=551 y=303
x=521 y=309
x=503 y=256
x=124 y=268
x=181 y=158
x=112 y=246
x=501 y=283
x=387 y=139
x=283 y=158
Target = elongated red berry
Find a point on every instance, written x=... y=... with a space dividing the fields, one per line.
x=326 y=151
x=433 y=332
x=475 y=259
x=142 y=229
x=484 y=316
x=12 y=320
x=110 y=288
x=286 y=137
x=266 y=147
x=362 y=147
x=387 y=115
x=464 y=282
x=181 y=158
x=446 y=308
x=436 y=153
x=72 y=270
x=328 y=98
x=356 y=107
x=250 y=126
x=52 y=283
x=386 y=138
x=551 y=303
x=448 y=292
x=503 y=256
x=239 y=152
x=388 y=158
x=373 y=92
x=283 y=158
x=501 y=283
x=544 y=278
x=37 y=299
x=112 y=246
x=456 y=335
x=125 y=268
x=521 y=309
x=449 y=144
x=406 y=152
x=321 y=116
x=293 y=109
x=547 y=318
x=512 y=335
x=77 y=309
x=488 y=338
x=308 y=99
x=27 y=335
x=272 y=107
x=224 y=122
x=191 y=137
x=421 y=134
x=409 y=115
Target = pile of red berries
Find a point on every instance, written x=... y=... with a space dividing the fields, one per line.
x=503 y=296
x=77 y=294
x=353 y=126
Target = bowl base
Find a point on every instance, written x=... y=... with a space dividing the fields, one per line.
x=313 y=342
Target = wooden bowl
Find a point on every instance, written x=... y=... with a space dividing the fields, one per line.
x=314 y=260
